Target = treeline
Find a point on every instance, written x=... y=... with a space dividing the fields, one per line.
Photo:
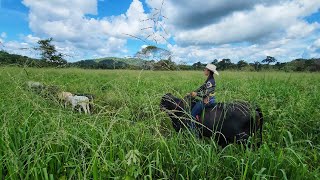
x=18 y=60
x=104 y=64
x=269 y=63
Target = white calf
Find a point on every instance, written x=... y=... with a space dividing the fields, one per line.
x=63 y=97
x=82 y=101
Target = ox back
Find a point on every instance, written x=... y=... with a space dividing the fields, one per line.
x=231 y=122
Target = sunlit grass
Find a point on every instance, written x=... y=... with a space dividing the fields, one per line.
x=129 y=137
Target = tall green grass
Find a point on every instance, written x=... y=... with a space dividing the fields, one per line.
x=128 y=137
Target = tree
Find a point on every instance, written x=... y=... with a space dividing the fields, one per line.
x=269 y=60
x=49 y=53
x=198 y=65
x=224 y=64
x=215 y=61
x=153 y=53
x=111 y=64
x=165 y=65
x=148 y=65
x=241 y=64
x=257 y=66
x=15 y=59
x=279 y=65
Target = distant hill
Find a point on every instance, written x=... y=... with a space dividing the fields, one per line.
x=15 y=59
x=129 y=61
x=110 y=63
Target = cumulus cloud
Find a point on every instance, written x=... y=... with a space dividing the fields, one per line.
x=260 y=24
x=193 y=14
x=110 y=47
x=31 y=39
x=317 y=43
x=283 y=49
x=126 y=24
x=3 y=35
x=1 y=43
x=197 y=30
x=249 y=30
x=67 y=22
x=301 y=29
x=22 y=48
x=314 y=49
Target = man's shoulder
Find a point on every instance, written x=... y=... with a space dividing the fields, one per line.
x=210 y=83
x=211 y=80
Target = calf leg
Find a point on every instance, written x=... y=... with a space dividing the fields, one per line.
x=73 y=106
x=88 y=108
x=91 y=105
x=84 y=108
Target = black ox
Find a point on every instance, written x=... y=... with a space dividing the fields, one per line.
x=227 y=122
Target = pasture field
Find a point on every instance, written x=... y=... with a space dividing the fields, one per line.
x=128 y=137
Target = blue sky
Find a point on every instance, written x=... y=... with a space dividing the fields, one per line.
x=14 y=19
x=192 y=30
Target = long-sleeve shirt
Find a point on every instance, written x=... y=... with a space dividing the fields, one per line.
x=207 y=89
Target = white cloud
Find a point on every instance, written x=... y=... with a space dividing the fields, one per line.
x=129 y=23
x=193 y=14
x=66 y=20
x=301 y=29
x=1 y=43
x=251 y=31
x=113 y=45
x=21 y=48
x=3 y=35
x=110 y=47
x=261 y=24
x=31 y=39
x=314 y=49
x=202 y=30
x=317 y=43
x=67 y=23
x=143 y=46
x=59 y=9
x=62 y=19
x=282 y=49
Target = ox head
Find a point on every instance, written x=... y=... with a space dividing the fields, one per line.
x=174 y=108
x=168 y=102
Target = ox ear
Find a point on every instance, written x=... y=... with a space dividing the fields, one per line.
x=167 y=96
x=166 y=101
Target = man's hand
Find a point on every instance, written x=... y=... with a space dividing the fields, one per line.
x=193 y=94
